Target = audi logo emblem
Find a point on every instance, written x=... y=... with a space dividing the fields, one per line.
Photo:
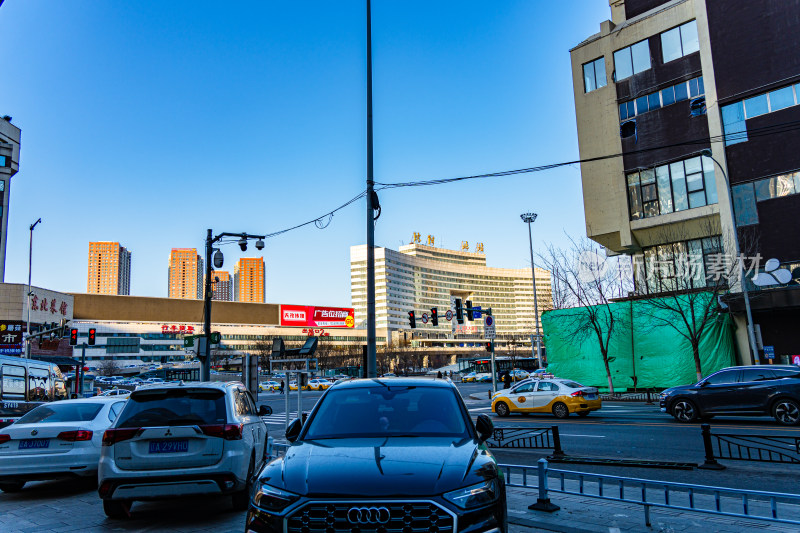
x=368 y=515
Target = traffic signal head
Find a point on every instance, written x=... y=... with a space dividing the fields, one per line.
x=470 y=317
x=434 y=316
x=92 y=332
x=459 y=311
x=412 y=319
x=73 y=337
x=489 y=346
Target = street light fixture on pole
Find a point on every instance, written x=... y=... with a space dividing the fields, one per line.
x=205 y=368
x=755 y=357
x=30 y=259
x=372 y=205
x=529 y=218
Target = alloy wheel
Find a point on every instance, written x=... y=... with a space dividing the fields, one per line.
x=684 y=411
x=787 y=412
x=501 y=409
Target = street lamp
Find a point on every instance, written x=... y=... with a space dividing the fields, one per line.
x=756 y=358
x=205 y=368
x=30 y=259
x=529 y=218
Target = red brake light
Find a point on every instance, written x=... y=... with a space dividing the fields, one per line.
x=4 y=438
x=112 y=436
x=577 y=393
x=72 y=436
x=226 y=431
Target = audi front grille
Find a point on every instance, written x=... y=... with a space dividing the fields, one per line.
x=371 y=517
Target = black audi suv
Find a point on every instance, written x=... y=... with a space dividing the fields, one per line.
x=382 y=455
x=772 y=390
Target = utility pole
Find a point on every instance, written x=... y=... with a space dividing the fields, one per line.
x=205 y=368
x=30 y=262
x=371 y=339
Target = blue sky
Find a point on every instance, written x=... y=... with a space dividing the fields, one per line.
x=149 y=122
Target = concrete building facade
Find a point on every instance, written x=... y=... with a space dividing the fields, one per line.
x=696 y=95
x=185 y=274
x=9 y=165
x=248 y=280
x=109 y=270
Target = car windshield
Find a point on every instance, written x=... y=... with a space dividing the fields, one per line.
x=174 y=407
x=388 y=411
x=62 y=412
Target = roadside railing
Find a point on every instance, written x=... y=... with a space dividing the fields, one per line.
x=527 y=438
x=743 y=447
x=648 y=396
x=756 y=505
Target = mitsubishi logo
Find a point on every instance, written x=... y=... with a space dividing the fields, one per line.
x=368 y=515
x=168 y=433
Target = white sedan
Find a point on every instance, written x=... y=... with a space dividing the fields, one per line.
x=57 y=439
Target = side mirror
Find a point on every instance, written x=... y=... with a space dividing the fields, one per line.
x=264 y=410
x=484 y=427
x=293 y=431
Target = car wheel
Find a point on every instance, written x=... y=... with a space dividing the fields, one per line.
x=684 y=411
x=12 y=486
x=241 y=499
x=117 y=509
x=583 y=413
x=560 y=410
x=786 y=412
x=501 y=409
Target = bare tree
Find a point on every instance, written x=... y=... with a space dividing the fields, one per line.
x=263 y=350
x=583 y=287
x=109 y=367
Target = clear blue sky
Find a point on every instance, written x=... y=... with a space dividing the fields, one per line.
x=149 y=122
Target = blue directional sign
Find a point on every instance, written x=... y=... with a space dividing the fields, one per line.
x=769 y=352
x=477 y=311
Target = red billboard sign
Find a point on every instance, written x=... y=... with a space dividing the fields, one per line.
x=317 y=317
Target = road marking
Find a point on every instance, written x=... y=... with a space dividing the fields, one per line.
x=578 y=435
x=481 y=409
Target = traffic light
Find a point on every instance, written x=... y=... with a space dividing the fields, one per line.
x=459 y=311
x=92 y=332
x=489 y=346
x=470 y=317
x=73 y=337
x=434 y=316
x=216 y=337
x=412 y=319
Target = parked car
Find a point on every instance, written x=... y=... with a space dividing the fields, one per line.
x=550 y=395
x=115 y=392
x=431 y=469
x=179 y=440
x=54 y=440
x=768 y=390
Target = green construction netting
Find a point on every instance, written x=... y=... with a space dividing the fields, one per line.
x=641 y=345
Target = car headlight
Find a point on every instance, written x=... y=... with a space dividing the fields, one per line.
x=474 y=495
x=273 y=499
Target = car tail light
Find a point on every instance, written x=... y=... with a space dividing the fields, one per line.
x=112 y=436
x=225 y=431
x=105 y=489
x=4 y=438
x=577 y=393
x=73 y=436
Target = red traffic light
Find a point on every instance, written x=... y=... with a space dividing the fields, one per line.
x=489 y=346
x=73 y=337
x=434 y=316
x=92 y=332
x=412 y=319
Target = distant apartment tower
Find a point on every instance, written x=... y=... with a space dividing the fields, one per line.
x=222 y=289
x=9 y=165
x=185 y=274
x=248 y=280
x=109 y=269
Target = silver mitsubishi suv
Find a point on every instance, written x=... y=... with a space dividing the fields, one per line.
x=174 y=440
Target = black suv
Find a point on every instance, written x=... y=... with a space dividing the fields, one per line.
x=772 y=390
x=381 y=455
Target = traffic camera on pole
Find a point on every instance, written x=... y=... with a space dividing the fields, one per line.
x=412 y=319
x=434 y=316
x=459 y=311
x=73 y=337
x=92 y=334
x=470 y=316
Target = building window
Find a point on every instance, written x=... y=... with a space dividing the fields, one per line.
x=594 y=74
x=679 y=42
x=734 y=115
x=674 y=187
x=656 y=100
x=682 y=265
x=631 y=60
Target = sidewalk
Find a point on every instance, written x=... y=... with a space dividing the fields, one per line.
x=590 y=515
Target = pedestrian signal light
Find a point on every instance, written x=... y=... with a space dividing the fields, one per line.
x=73 y=337
x=434 y=316
x=92 y=332
x=412 y=319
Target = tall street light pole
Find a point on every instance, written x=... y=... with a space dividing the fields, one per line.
x=528 y=218
x=755 y=357
x=30 y=262
x=371 y=340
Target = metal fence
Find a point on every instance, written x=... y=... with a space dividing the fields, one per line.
x=762 y=448
x=737 y=503
x=526 y=437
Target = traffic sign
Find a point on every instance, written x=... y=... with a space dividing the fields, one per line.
x=424 y=318
x=488 y=328
x=476 y=313
x=449 y=315
x=769 y=352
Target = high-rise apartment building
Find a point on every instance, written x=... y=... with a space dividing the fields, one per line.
x=185 y=274
x=109 y=269
x=419 y=277
x=9 y=165
x=222 y=290
x=248 y=280
x=699 y=98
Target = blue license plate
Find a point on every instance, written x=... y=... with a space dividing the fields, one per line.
x=30 y=444
x=169 y=446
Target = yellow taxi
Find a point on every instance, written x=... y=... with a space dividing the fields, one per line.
x=548 y=394
x=293 y=386
x=319 y=384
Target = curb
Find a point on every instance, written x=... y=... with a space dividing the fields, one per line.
x=547 y=526
x=476 y=396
